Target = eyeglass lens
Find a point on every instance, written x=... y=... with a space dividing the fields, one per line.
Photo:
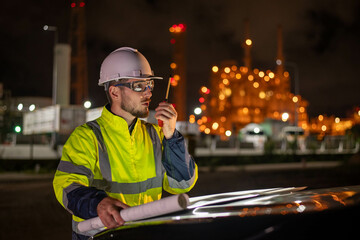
x=143 y=85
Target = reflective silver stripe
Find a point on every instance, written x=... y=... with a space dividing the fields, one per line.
x=68 y=189
x=128 y=188
x=69 y=167
x=183 y=184
x=157 y=149
x=103 y=155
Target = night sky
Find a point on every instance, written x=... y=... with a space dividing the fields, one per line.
x=321 y=36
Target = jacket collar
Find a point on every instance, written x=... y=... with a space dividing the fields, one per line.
x=115 y=121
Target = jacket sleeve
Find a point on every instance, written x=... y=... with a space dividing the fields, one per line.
x=74 y=175
x=181 y=171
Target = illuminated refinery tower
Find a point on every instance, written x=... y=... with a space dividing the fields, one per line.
x=247 y=44
x=178 y=66
x=239 y=95
x=79 y=74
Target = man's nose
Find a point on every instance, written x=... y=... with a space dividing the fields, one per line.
x=147 y=92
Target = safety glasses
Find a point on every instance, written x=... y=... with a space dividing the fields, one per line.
x=138 y=86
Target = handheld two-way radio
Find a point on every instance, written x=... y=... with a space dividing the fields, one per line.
x=160 y=122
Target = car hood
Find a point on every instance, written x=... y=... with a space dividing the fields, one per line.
x=237 y=209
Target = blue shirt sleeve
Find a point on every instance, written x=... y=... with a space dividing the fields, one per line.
x=83 y=201
x=177 y=161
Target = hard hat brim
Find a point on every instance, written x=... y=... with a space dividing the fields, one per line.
x=132 y=77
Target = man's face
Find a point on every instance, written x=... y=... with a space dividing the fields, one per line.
x=135 y=103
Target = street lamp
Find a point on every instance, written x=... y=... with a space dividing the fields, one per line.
x=56 y=40
x=87 y=104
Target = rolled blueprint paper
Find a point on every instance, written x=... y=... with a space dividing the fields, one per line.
x=163 y=206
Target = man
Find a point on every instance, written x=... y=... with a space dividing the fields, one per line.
x=118 y=160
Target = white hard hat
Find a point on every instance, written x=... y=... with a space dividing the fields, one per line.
x=125 y=63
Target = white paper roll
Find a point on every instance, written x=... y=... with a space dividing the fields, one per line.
x=163 y=206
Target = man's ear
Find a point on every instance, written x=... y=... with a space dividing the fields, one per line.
x=114 y=93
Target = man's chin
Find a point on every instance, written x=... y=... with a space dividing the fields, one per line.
x=144 y=114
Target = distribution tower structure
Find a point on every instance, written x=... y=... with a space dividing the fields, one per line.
x=178 y=66
x=77 y=40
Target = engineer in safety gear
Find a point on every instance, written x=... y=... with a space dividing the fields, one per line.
x=118 y=160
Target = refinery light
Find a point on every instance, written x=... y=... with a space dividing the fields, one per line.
x=248 y=42
x=197 y=111
x=284 y=116
x=215 y=69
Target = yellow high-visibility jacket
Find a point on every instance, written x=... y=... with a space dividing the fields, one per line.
x=102 y=158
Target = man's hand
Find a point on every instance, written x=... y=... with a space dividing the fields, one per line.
x=167 y=113
x=109 y=212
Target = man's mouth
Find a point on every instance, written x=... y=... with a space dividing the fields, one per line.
x=146 y=103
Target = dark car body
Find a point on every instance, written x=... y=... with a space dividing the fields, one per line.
x=277 y=213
